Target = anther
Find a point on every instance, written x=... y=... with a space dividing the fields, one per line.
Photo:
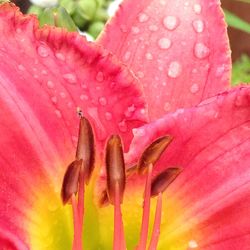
x=163 y=180
x=85 y=148
x=70 y=181
x=153 y=152
x=115 y=168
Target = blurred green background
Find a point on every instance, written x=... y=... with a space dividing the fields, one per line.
x=89 y=16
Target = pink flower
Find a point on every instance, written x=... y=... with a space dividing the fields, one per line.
x=168 y=62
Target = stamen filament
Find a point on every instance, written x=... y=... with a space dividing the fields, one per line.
x=77 y=236
x=119 y=239
x=146 y=211
x=157 y=224
x=80 y=205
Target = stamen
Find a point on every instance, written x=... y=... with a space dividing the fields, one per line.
x=157 y=224
x=153 y=152
x=70 y=181
x=146 y=211
x=159 y=185
x=85 y=148
x=115 y=168
x=163 y=180
x=77 y=244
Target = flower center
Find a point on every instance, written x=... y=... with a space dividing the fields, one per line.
x=79 y=172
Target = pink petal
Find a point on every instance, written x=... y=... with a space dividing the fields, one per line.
x=56 y=72
x=44 y=75
x=211 y=142
x=178 y=49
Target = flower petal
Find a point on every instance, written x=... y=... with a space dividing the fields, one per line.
x=209 y=202
x=179 y=49
x=66 y=72
x=44 y=75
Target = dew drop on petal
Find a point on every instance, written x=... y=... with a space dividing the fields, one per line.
x=60 y=56
x=54 y=99
x=58 y=113
x=108 y=116
x=126 y=56
x=164 y=43
x=170 y=22
x=174 y=69
x=103 y=101
x=43 y=51
x=21 y=67
x=84 y=97
x=198 y=26
x=153 y=27
x=140 y=74
x=122 y=126
x=197 y=8
x=192 y=244
x=99 y=76
x=201 y=51
x=143 y=17
x=70 y=78
x=194 y=88
x=135 y=30
x=167 y=106
x=50 y=84
x=149 y=56
x=62 y=94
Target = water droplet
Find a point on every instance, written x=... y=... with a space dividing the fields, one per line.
x=170 y=22
x=122 y=126
x=194 y=88
x=84 y=97
x=174 y=69
x=108 y=116
x=44 y=72
x=197 y=8
x=43 y=50
x=126 y=56
x=70 y=78
x=143 y=17
x=60 y=56
x=62 y=94
x=54 y=99
x=135 y=30
x=201 y=51
x=58 y=113
x=167 y=106
x=21 y=67
x=140 y=74
x=99 y=76
x=192 y=244
x=198 y=26
x=153 y=27
x=130 y=110
x=164 y=43
x=139 y=132
x=149 y=56
x=50 y=84
x=103 y=101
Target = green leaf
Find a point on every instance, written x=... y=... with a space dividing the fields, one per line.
x=237 y=22
x=241 y=70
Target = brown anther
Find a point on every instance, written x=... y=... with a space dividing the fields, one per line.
x=115 y=167
x=70 y=181
x=153 y=152
x=85 y=148
x=103 y=199
x=163 y=180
